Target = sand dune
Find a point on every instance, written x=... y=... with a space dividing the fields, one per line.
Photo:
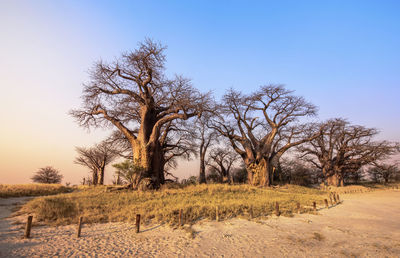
x=364 y=225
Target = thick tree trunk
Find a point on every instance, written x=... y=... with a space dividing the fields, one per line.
x=259 y=173
x=151 y=160
x=330 y=177
x=250 y=173
x=333 y=180
x=147 y=152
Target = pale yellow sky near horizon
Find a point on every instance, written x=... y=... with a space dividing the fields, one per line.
x=42 y=68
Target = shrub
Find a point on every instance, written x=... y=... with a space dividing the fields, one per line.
x=47 y=175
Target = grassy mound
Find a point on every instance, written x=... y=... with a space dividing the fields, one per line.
x=197 y=202
x=31 y=190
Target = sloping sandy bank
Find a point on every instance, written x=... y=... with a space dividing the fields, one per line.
x=365 y=224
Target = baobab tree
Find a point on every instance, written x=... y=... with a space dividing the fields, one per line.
x=383 y=171
x=96 y=158
x=343 y=148
x=262 y=126
x=134 y=96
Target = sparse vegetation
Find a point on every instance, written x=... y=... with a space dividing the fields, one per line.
x=128 y=172
x=197 y=201
x=96 y=158
x=32 y=190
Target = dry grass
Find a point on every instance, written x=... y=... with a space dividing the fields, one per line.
x=31 y=190
x=197 y=202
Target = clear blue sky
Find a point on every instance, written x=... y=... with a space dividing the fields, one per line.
x=341 y=55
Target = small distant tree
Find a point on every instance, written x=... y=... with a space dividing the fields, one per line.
x=205 y=138
x=298 y=173
x=221 y=161
x=47 y=175
x=96 y=159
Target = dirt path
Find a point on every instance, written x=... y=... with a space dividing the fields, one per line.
x=6 y=208
x=8 y=229
x=365 y=225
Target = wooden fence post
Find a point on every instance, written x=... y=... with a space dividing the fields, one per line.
x=277 y=212
x=137 y=223
x=28 y=227
x=326 y=204
x=314 y=206
x=180 y=217
x=298 y=208
x=338 y=198
x=79 y=227
x=216 y=214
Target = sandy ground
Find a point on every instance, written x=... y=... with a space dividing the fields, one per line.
x=364 y=225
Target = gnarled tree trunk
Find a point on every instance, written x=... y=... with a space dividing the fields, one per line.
x=150 y=158
x=259 y=173
x=333 y=180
